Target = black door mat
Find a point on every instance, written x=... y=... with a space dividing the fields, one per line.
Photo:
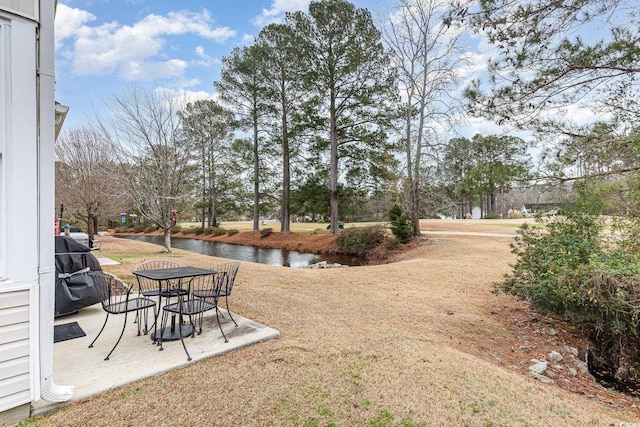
x=67 y=331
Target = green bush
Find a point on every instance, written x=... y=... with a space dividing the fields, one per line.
x=357 y=240
x=218 y=231
x=492 y=216
x=571 y=268
x=139 y=228
x=265 y=232
x=187 y=230
x=208 y=230
x=198 y=230
x=401 y=225
x=232 y=231
x=120 y=230
x=150 y=229
x=176 y=229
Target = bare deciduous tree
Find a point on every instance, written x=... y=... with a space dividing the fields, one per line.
x=85 y=179
x=426 y=56
x=155 y=159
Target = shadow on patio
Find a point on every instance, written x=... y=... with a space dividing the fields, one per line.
x=136 y=357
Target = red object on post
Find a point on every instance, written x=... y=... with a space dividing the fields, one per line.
x=174 y=215
x=57 y=226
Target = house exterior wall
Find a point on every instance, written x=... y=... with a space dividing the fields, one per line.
x=27 y=8
x=18 y=207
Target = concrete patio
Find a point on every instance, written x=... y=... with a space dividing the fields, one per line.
x=136 y=357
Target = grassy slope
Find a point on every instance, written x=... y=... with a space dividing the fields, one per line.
x=422 y=341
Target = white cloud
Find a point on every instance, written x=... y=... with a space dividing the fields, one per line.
x=278 y=9
x=133 y=51
x=248 y=39
x=141 y=70
x=68 y=21
x=182 y=96
x=205 y=60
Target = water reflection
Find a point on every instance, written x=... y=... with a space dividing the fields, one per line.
x=282 y=257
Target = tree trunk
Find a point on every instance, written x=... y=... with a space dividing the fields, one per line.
x=333 y=179
x=167 y=240
x=213 y=212
x=91 y=225
x=213 y=209
x=204 y=185
x=492 y=202
x=256 y=177
x=413 y=185
x=285 y=226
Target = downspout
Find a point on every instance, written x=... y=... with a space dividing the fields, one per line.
x=46 y=203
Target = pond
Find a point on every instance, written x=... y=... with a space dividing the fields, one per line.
x=281 y=257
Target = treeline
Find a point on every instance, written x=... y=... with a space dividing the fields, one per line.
x=321 y=118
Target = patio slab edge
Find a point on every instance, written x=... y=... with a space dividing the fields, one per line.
x=260 y=333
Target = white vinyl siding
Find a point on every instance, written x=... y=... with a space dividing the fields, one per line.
x=18 y=206
x=4 y=134
x=19 y=182
x=14 y=349
x=23 y=7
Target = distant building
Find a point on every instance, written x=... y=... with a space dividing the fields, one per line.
x=530 y=209
x=28 y=120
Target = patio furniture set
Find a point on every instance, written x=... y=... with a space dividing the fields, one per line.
x=186 y=292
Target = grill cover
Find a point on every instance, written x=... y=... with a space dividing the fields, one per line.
x=74 y=287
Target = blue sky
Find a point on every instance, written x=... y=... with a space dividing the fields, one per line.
x=177 y=45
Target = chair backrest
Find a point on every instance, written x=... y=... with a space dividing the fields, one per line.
x=110 y=290
x=147 y=285
x=206 y=287
x=156 y=264
x=226 y=276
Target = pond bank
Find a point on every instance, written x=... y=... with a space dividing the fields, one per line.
x=309 y=242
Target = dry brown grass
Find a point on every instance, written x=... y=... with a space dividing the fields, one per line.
x=421 y=341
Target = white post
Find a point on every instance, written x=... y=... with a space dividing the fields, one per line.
x=46 y=205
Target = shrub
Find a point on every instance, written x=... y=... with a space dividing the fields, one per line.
x=492 y=216
x=139 y=228
x=401 y=225
x=208 y=230
x=358 y=240
x=232 y=231
x=150 y=229
x=265 y=232
x=176 y=229
x=120 y=230
x=198 y=230
x=187 y=230
x=218 y=231
x=570 y=269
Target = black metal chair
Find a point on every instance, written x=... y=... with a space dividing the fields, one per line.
x=226 y=275
x=115 y=296
x=150 y=288
x=194 y=308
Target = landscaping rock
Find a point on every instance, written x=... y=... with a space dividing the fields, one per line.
x=541 y=378
x=325 y=264
x=555 y=356
x=582 y=367
x=570 y=350
x=539 y=367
